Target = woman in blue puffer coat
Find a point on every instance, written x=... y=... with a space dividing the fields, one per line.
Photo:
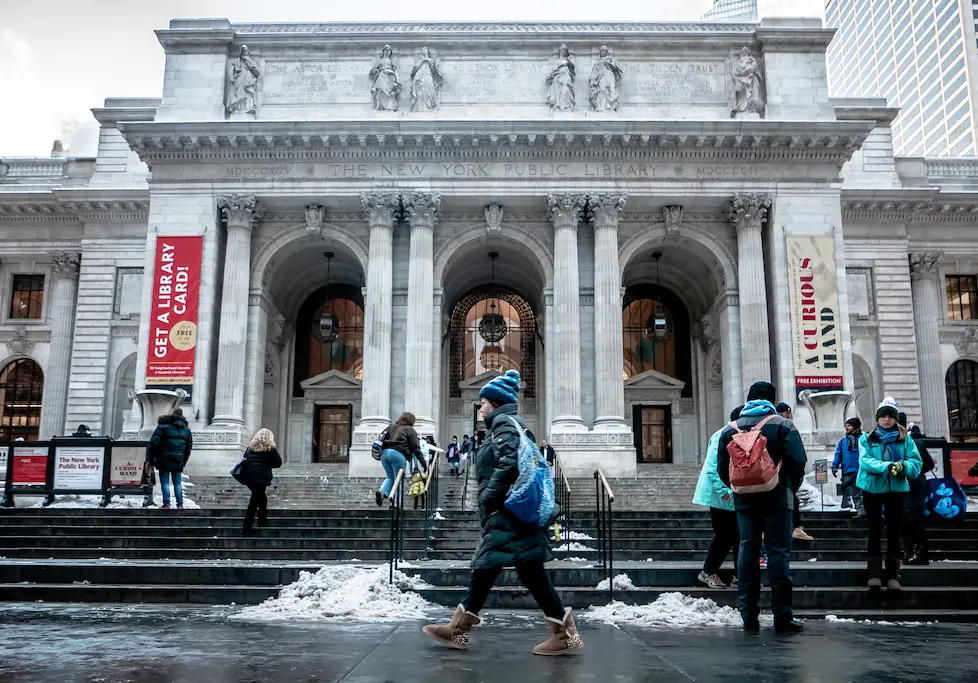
x=711 y=492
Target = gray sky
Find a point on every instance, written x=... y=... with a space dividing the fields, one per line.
x=60 y=58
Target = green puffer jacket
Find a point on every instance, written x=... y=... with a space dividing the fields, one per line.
x=505 y=540
x=169 y=449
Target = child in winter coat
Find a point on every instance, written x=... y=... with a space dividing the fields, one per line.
x=888 y=461
x=417 y=488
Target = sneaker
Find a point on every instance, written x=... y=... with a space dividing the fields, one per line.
x=164 y=507
x=763 y=561
x=799 y=535
x=789 y=627
x=179 y=507
x=733 y=582
x=711 y=580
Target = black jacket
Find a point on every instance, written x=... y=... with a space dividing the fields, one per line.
x=785 y=447
x=170 y=446
x=505 y=540
x=258 y=466
x=549 y=453
x=403 y=439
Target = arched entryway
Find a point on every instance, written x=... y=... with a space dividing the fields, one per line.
x=21 y=392
x=961 y=384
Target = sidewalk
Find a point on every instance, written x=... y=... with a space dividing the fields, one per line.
x=162 y=644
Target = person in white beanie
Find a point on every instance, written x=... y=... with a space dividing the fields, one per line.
x=888 y=461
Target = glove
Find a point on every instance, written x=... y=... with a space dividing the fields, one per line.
x=835 y=472
x=896 y=468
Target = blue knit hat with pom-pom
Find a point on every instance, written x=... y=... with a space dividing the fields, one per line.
x=503 y=389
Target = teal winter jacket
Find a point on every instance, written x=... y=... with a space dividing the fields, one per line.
x=710 y=491
x=874 y=464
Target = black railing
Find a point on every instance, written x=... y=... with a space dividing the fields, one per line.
x=430 y=501
x=604 y=518
x=465 y=482
x=396 y=499
x=562 y=494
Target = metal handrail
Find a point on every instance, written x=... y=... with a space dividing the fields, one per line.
x=396 y=500
x=563 y=492
x=465 y=482
x=430 y=500
x=604 y=518
x=432 y=472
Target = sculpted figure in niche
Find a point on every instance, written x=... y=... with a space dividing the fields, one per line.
x=243 y=84
x=747 y=78
x=603 y=86
x=560 y=82
x=384 y=86
x=426 y=82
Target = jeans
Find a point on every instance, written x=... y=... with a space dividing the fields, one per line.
x=533 y=577
x=258 y=504
x=392 y=461
x=851 y=493
x=878 y=506
x=177 y=486
x=725 y=537
x=776 y=525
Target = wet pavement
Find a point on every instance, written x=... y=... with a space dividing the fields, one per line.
x=163 y=644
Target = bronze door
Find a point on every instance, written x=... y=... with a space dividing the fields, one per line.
x=654 y=434
x=332 y=432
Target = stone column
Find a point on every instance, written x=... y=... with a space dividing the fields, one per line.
x=747 y=213
x=606 y=211
x=382 y=209
x=254 y=387
x=926 y=292
x=565 y=213
x=239 y=215
x=62 y=316
x=421 y=210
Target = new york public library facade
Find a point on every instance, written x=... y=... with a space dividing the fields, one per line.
x=321 y=225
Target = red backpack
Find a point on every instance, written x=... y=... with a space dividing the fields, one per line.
x=752 y=470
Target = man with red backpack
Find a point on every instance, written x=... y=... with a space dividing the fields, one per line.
x=761 y=458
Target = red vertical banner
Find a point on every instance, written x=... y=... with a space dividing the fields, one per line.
x=173 y=313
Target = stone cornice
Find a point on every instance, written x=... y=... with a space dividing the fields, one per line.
x=912 y=206
x=774 y=141
x=73 y=206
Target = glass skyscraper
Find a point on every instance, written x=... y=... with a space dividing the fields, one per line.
x=920 y=55
x=732 y=10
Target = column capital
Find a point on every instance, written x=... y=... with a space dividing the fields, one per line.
x=381 y=207
x=923 y=264
x=565 y=209
x=748 y=210
x=606 y=209
x=239 y=211
x=66 y=264
x=421 y=209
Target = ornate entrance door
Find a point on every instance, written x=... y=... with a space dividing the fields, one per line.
x=331 y=441
x=653 y=433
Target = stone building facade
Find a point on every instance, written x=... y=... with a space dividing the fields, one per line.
x=387 y=215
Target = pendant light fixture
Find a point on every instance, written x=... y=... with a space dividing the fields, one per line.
x=658 y=328
x=492 y=328
x=327 y=328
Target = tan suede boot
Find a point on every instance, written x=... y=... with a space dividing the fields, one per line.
x=893 y=575
x=455 y=633
x=564 y=637
x=874 y=570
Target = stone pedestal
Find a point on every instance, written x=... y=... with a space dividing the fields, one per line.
x=154 y=404
x=828 y=411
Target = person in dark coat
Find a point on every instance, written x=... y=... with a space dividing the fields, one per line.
x=915 y=503
x=505 y=540
x=169 y=451
x=548 y=452
x=260 y=458
x=454 y=456
x=847 y=460
x=401 y=446
x=768 y=513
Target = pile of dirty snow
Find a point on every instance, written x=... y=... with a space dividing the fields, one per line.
x=833 y=619
x=818 y=498
x=118 y=502
x=577 y=536
x=670 y=610
x=622 y=582
x=344 y=593
x=573 y=546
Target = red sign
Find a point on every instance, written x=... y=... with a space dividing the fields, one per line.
x=173 y=321
x=30 y=466
x=961 y=462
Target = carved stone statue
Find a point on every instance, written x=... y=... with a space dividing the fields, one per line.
x=747 y=79
x=426 y=82
x=385 y=89
x=243 y=84
x=314 y=217
x=560 y=82
x=494 y=219
x=672 y=216
x=603 y=86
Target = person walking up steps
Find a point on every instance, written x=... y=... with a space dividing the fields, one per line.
x=888 y=461
x=762 y=460
x=169 y=451
x=401 y=444
x=714 y=494
x=260 y=459
x=506 y=540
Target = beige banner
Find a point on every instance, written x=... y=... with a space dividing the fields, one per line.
x=813 y=295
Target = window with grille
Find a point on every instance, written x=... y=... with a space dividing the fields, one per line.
x=27 y=298
x=962 y=297
x=21 y=391
x=961 y=384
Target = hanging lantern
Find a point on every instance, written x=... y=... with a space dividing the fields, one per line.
x=491 y=358
x=326 y=328
x=492 y=327
x=658 y=327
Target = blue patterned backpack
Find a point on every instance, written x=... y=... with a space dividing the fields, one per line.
x=531 y=499
x=946 y=500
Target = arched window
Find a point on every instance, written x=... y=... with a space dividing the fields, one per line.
x=21 y=390
x=641 y=353
x=313 y=355
x=961 y=383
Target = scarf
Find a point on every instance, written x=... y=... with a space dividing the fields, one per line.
x=761 y=407
x=892 y=449
x=852 y=439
